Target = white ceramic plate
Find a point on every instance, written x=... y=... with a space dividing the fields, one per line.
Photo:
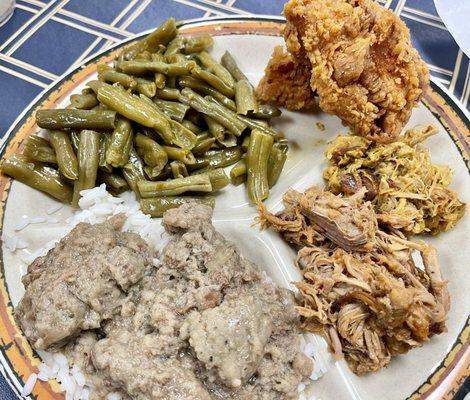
x=433 y=371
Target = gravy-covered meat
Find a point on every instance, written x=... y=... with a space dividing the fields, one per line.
x=202 y=324
x=80 y=282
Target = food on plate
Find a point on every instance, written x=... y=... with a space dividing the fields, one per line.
x=201 y=323
x=362 y=288
x=407 y=190
x=359 y=60
x=163 y=116
x=286 y=82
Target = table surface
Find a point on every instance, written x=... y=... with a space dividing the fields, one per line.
x=44 y=38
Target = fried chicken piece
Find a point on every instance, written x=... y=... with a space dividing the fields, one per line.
x=361 y=63
x=286 y=83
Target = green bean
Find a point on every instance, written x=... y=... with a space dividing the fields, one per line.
x=202 y=146
x=254 y=124
x=184 y=138
x=104 y=144
x=226 y=117
x=230 y=64
x=66 y=158
x=151 y=152
x=216 y=130
x=114 y=182
x=75 y=139
x=265 y=111
x=112 y=76
x=119 y=148
x=167 y=93
x=257 y=157
x=174 y=153
x=174 y=47
x=276 y=160
x=172 y=109
x=134 y=108
x=160 y=81
x=83 y=101
x=217 y=69
x=238 y=173
x=218 y=178
x=157 y=206
x=37 y=176
x=133 y=172
x=200 y=163
x=197 y=44
x=245 y=143
x=178 y=169
x=162 y=175
x=245 y=98
x=71 y=118
x=146 y=87
x=223 y=158
x=144 y=67
x=212 y=80
x=199 y=86
x=39 y=149
x=230 y=140
x=239 y=124
x=88 y=159
x=173 y=187
x=163 y=35
x=191 y=126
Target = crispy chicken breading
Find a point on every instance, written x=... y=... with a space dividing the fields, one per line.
x=286 y=83
x=360 y=62
x=361 y=286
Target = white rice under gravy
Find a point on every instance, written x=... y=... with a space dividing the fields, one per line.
x=97 y=205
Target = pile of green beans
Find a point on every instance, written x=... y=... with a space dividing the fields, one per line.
x=163 y=120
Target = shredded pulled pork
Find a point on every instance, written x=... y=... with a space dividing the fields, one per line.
x=369 y=299
x=408 y=191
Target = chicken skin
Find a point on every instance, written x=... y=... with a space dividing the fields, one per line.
x=359 y=60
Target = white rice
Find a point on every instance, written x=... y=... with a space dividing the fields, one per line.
x=95 y=206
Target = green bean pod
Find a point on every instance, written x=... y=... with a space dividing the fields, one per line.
x=202 y=146
x=83 y=101
x=112 y=76
x=66 y=158
x=202 y=87
x=276 y=161
x=197 y=44
x=151 y=152
x=144 y=67
x=39 y=149
x=212 y=80
x=216 y=130
x=245 y=98
x=154 y=174
x=167 y=93
x=88 y=159
x=223 y=158
x=134 y=108
x=105 y=140
x=178 y=169
x=174 y=187
x=133 y=172
x=265 y=111
x=175 y=153
x=238 y=173
x=114 y=182
x=218 y=178
x=183 y=137
x=37 y=176
x=191 y=126
x=156 y=207
x=71 y=118
x=120 y=143
x=146 y=87
x=216 y=68
x=257 y=157
x=172 y=109
x=230 y=64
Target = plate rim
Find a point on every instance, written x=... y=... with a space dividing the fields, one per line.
x=449 y=99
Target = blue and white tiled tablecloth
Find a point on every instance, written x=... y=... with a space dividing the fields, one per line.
x=44 y=38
